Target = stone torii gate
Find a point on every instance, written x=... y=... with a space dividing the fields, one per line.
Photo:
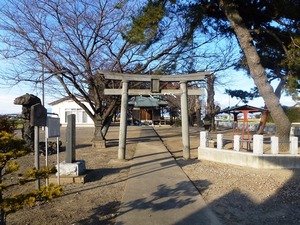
x=155 y=90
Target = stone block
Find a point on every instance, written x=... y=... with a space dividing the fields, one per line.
x=72 y=169
x=211 y=143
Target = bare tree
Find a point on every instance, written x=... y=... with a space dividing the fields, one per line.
x=69 y=41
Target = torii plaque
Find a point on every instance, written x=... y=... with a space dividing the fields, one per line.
x=154 y=79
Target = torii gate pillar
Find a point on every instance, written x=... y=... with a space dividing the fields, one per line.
x=185 y=121
x=123 y=122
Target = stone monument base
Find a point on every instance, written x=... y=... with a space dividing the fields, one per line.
x=70 y=172
x=71 y=169
x=68 y=179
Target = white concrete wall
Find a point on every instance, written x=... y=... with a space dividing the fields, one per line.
x=249 y=159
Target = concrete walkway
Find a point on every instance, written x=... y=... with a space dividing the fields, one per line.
x=158 y=191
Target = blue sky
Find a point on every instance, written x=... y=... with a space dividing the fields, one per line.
x=8 y=94
x=238 y=81
x=231 y=80
x=235 y=80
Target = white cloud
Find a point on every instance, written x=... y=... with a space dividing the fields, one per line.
x=7 y=105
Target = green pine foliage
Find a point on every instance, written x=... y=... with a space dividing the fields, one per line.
x=145 y=26
x=293 y=62
x=12 y=148
x=293 y=113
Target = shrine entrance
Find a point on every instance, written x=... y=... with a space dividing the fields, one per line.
x=154 y=90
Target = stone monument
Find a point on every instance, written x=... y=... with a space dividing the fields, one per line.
x=71 y=170
x=27 y=101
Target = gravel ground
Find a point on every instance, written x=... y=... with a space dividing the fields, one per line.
x=236 y=194
x=240 y=195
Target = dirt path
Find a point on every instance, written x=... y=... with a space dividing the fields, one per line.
x=238 y=195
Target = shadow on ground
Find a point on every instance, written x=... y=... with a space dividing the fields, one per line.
x=102 y=215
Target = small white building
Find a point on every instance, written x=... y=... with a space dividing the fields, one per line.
x=66 y=106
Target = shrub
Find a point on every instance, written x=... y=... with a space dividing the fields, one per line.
x=7 y=124
x=12 y=148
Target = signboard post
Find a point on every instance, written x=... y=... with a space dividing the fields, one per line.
x=38 y=117
x=53 y=130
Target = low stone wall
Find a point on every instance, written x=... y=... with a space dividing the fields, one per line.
x=249 y=159
x=255 y=159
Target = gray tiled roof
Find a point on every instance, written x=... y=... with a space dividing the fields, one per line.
x=141 y=101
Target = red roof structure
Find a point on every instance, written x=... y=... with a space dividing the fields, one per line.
x=245 y=110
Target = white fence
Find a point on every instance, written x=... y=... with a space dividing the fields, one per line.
x=257 y=143
x=256 y=158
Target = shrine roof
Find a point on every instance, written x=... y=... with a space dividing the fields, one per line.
x=142 y=101
x=240 y=109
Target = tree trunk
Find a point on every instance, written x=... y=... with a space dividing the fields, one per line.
x=263 y=122
x=2 y=212
x=257 y=72
x=99 y=141
x=98 y=135
x=210 y=107
x=102 y=123
x=106 y=126
x=198 y=118
x=198 y=111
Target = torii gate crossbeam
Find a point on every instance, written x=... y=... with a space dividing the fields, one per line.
x=124 y=92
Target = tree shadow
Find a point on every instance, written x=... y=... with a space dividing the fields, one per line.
x=112 y=143
x=165 y=198
x=279 y=209
x=115 y=142
x=84 y=146
x=103 y=215
x=97 y=174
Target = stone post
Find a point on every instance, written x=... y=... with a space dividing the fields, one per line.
x=294 y=145
x=203 y=139
x=123 y=122
x=219 y=141
x=236 y=142
x=37 y=154
x=258 y=144
x=71 y=139
x=292 y=131
x=185 y=121
x=274 y=145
